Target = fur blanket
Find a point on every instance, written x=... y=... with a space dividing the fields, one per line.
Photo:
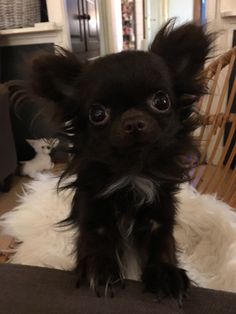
x=205 y=233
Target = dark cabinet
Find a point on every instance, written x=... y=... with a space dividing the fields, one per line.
x=84 y=27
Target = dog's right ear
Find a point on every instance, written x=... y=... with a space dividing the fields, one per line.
x=53 y=76
x=184 y=49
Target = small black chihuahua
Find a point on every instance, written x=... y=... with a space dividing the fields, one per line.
x=131 y=120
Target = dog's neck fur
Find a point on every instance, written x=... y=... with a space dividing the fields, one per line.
x=143 y=188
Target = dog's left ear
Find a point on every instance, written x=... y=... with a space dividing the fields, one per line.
x=184 y=50
x=53 y=76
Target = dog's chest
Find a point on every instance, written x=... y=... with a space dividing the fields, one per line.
x=132 y=193
x=143 y=190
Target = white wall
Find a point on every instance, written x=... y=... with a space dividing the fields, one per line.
x=155 y=15
x=111 y=37
x=159 y=11
x=183 y=10
x=219 y=21
x=228 y=7
x=57 y=13
x=139 y=22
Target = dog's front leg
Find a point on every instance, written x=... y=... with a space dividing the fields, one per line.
x=160 y=273
x=98 y=247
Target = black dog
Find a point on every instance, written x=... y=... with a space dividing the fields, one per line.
x=131 y=121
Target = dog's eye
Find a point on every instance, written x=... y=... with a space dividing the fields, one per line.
x=160 y=102
x=42 y=147
x=98 y=114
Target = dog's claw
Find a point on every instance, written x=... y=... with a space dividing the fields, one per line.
x=170 y=282
x=110 y=287
x=111 y=292
x=159 y=297
x=180 y=301
x=97 y=285
x=97 y=293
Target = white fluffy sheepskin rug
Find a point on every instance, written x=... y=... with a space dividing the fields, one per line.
x=205 y=233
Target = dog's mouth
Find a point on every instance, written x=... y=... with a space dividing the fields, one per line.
x=135 y=151
x=133 y=143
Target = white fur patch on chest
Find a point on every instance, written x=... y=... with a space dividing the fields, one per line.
x=144 y=189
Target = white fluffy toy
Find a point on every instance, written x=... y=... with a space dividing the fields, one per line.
x=42 y=160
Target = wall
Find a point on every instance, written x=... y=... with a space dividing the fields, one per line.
x=222 y=22
x=111 y=37
x=182 y=9
x=159 y=11
x=139 y=23
x=155 y=14
x=228 y=7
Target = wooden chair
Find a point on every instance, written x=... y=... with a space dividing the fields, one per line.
x=216 y=173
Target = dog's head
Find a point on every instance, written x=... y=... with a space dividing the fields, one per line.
x=132 y=107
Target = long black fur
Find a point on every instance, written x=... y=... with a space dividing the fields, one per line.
x=106 y=156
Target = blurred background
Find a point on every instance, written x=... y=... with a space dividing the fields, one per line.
x=93 y=28
x=97 y=27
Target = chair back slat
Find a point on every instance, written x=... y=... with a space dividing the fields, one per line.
x=212 y=91
x=216 y=172
x=212 y=182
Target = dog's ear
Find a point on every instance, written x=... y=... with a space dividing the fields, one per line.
x=53 y=76
x=184 y=49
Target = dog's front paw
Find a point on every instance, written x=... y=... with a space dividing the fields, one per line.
x=166 y=280
x=101 y=273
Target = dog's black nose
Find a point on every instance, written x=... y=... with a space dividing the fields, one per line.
x=131 y=126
